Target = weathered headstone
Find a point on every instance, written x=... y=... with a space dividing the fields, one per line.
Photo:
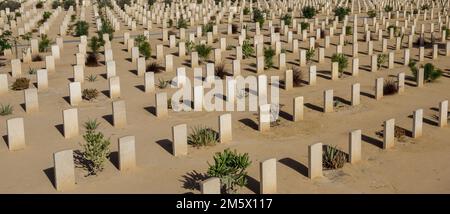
x=31 y=100
x=210 y=186
x=225 y=129
x=417 y=123
x=315 y=160
x=70 y=122
x=179 y=140
x=355 y=146
x=161 y=104
x=268 y=176
x=119 y=113
x=75 y=93
x=114 y=87
x=127 y=153
x=443 y=113
x=328 y=101
x=64 y=169
x=389 y=134
x=16 y=133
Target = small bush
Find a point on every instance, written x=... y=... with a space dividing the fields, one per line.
x=287 y=18
x=342 y=61
x=81 y=28
x=341 y=12
x=207 y=28
x=220 y=71
x=32 y=71
x=269 y=53
x=203 y=51
x=425 y=7
x=182 y=23
x=202 y=136
x=388 y=8
x=20 y=84
x=6 y=109
x=304 y=25
x=162 y=84
x=154 y=67
x=308 y=12
x=90 y=94
x=258 y=16
x=96 y=151
x=39 y=5
x=44 y=44
x=91 y=78
x=234 y=28
x=348 y=30
x=310 y=55
x=145 y=49
x=333 y=158
x=247 y=49
x=231 y=168
x=372 y=13
x=381 y=59
x=297 y=76
x=91 y=125
x=55 y=4
x=431 y=73
x=37 y=58
x=390 y=87
x=12 y=5
x=246 y=11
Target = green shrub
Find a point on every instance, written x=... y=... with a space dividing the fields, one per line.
x=203 y=136
x=231 y=168
x=6 y=109
x=308 y=12
x=207 y=28
x=39 y=5
x=44 y=44
x=287 y=18
x=310 y=55
x=20 y=84
x=247 y=49
x=55 y=4
x=151 y=2
x=91 y=125
x=90 y=94
x=388 y=8
x=333 y=158
x=304 y=25
x=96 y=151
x=203 y=51
x=425 y=7
x=12 y=5
x=145 y=50
x=68 y=3
x=162 y=84
x=269 y=53
x=372 y=13
x=5 y=42
x=81 y=28
x=246 y=11
x=341 y=12
x=106 y=28
x=258 y=16
x=348 y=30
x=182 y=23
x=94 y=44
x=91 y=78
x=122 y=3
x=381 y=59
x=447 y=31
x=342 y=61
x=189 y=46
x=431 y=73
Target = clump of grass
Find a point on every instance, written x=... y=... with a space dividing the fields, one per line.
x=90 y=94
x=247 y=49
x=297 y=76
x=400 y=133
x=91 y=78
x=37 y=58
x=20 y=84
x=91 y=125
x=333 y=158
x=269 y=53
x=203 y=51
x=6 y=109
x=32 y=71
x=381 y=59
x=162 y=83
x=203 y=136
x=220 y=71
x=390 y=87
x=154 y=67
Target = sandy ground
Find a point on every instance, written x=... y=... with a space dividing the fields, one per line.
x=414 y=166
